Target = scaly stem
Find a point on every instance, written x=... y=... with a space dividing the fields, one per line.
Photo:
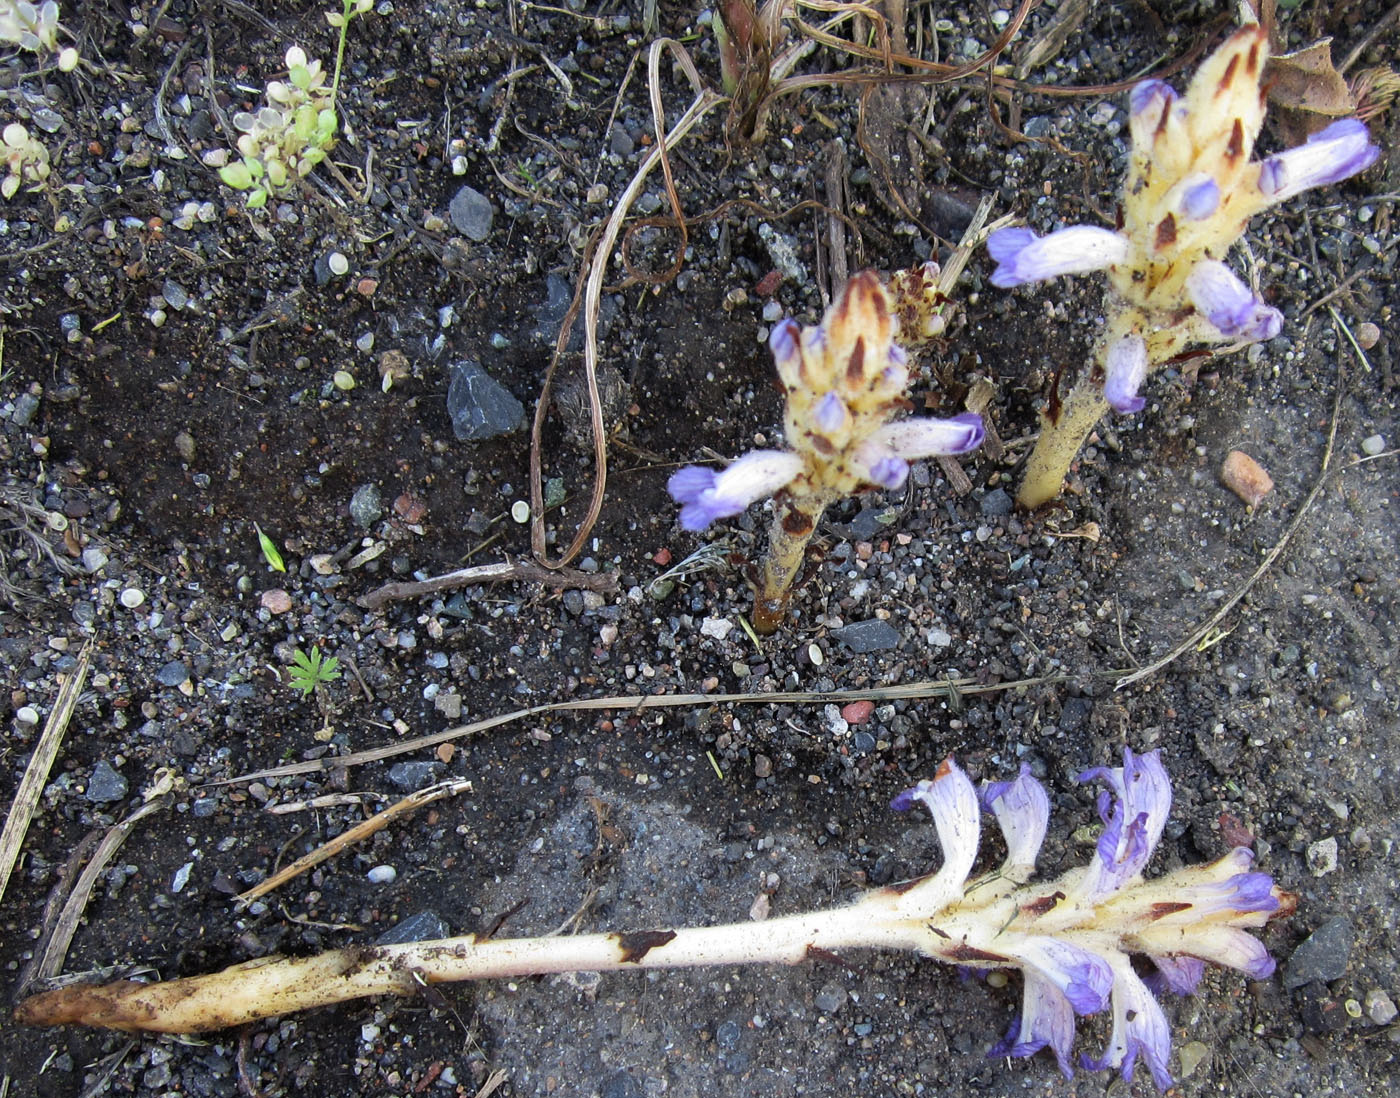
x=1059 y=443
x=793 y=525
x=265 y=988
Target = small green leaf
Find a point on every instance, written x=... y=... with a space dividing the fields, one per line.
x=237 y=176
x=309 y=671
x=300 y=76
x=269 y=548
x=257 y=199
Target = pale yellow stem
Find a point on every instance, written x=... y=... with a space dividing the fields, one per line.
x=793 y=525
x=1059 y=443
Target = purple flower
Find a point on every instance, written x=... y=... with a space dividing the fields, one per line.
x=1047 y=1021
x=1218 y=943
x=1022 y=810
x=1199 y=197
x=1148 y=97
x=1229 y=305
x=1083 y=978
x=1139 y=1029
x=1335 y=153
x=1023 y=257
x=785 y=343
x=1125 y=369
x=707 y=495
x=912 y=439
x=1141 y=796
x=952 y=802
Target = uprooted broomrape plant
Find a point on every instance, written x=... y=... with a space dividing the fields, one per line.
x=845 y=381
x=1190 y=191
x=1072 y=938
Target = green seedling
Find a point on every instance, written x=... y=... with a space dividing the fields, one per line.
x=282 y=142
x=269 y=551
x=307 y=672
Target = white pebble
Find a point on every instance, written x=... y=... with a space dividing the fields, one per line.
x=365 y=342
x=816 y=655
x=132 y=597
x=1373 y=445
x=716 y=627
x=772 y=312
x=382 y=875
x=343 y=380
x=520 y=511
x=337 y=263
x=27 y=714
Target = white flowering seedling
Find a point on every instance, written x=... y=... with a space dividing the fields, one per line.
x=283 y=141
x=1190 y=191
x=35 y=27
x=26 y=160
x=1073 y=938
x=845 y=381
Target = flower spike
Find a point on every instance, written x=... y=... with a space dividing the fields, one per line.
x=844 y=380
x=1190 y=191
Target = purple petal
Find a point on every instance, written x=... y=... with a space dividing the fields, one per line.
x=888 y=472
x=1328 y=156
x=1047 y=1021
x=1229 y=305
x=1200 y=197
x=1022 y=810
x=1023 y=257
x=1139 y=1030
x=688 y=484
x=912 y=439
x=898 y=356
x=1125 y=371
x=830 y=414
x=952 y=801
x=1179 y=974
x=1084 y=978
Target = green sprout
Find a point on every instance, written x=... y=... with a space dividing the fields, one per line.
x=269 y=551
x=282 y=142
x=306 y=673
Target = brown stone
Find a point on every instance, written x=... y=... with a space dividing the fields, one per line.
x=1245 y=477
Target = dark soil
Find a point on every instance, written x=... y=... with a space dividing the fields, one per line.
x=159 y=450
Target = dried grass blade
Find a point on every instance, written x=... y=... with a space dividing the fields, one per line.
x=36 y=774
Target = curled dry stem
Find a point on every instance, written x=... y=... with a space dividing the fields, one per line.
x=592 y=290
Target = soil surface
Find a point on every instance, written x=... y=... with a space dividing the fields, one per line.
x=169 y=388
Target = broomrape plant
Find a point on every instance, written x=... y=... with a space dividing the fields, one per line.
x=1189 y=194
x=1072 y=939
x=844 y=380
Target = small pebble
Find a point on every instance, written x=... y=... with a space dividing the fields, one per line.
x=343 y=380
x=184 y=446
x=471 y=214
x=27 y=714
x=520 y=511
x=857 y=712
x=718 y=628
x=276 y=601
x=816 y=655
x=365 y=505
x=94 y=559
x=382 y=875
x=132 y=597
x=1368 y=335
x=1245 y=477
x=337 y=263
x=173 y=673
x=1322 y=856
x=1372 y=445
x=106 y=784
x=1380 y=1008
